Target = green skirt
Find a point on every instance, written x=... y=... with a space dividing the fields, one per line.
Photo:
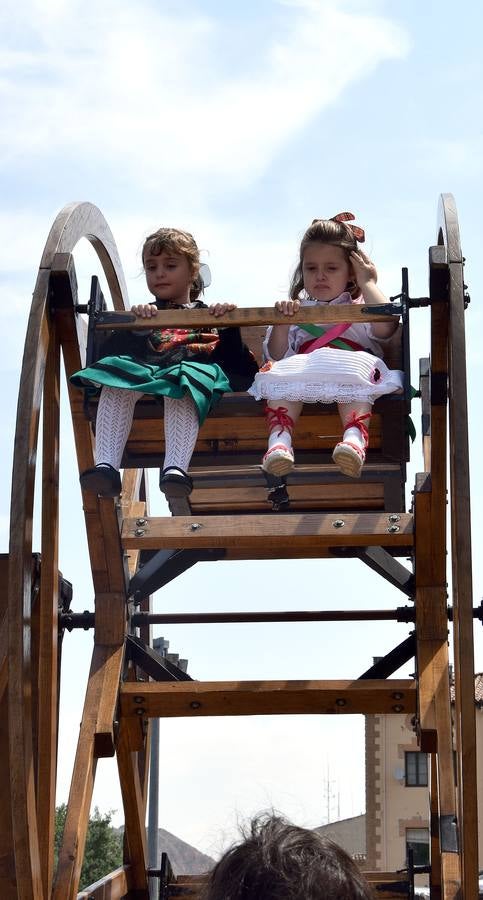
x=204 y=382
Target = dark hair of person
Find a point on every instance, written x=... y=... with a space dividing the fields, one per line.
x=280 y=861
x=173 y=240
x=325 y=231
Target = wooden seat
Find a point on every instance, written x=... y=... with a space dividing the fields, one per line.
x=226 y=466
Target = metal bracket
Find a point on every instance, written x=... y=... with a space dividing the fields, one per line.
x=164 y=567
x=277 y=492
x=393 y=660
x=448 y=832
x=152 y=663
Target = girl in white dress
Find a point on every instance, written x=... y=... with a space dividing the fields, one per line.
x=341 y=363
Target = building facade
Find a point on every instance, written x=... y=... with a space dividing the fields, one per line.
x=397 y=790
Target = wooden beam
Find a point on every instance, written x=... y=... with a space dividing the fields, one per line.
x=277 y=532
x=48 y=699
x=134 y=809
x=112 y=887
x=20 y=687
x=464 y=670
x=249 y=698
x=242 y=317
x=105 y=662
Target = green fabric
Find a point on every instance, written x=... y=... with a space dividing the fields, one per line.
x=205 y=382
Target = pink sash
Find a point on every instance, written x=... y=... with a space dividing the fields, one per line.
x=325 y=338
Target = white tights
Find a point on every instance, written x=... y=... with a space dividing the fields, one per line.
x=114 y=419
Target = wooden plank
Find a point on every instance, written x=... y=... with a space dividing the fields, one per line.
x=250 y=432
x=195 y=885
x=462 y=584
x=245 y=316
x=113 y=887
x=20 y=688
x=238 y=698
x=297 y=530
x=134 y=810
x=228 y=502
x=104 y=738
x=48 y=700
x=430 y=579
x=435 y=843
x=8 y=879
x=3 y=622
x=105 y=660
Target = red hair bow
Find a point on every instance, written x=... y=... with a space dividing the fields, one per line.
x=349 y=217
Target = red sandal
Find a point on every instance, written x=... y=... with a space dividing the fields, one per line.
x=279 y=459
x=350 y=457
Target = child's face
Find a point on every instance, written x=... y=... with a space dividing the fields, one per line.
x=325 y=271
x=168 y=276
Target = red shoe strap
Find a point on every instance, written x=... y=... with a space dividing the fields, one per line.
x=358 y=422
x=278 y=417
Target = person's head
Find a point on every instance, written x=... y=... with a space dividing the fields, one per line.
x=280 y=861
x=324 y=268
x=171 y=261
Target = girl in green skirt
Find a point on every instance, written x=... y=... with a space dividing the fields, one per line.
x=190 y=369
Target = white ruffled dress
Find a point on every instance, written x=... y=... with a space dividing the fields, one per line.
x=328 y=375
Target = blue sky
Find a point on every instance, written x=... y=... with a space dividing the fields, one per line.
x=241 y=122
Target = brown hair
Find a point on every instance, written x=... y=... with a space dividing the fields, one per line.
x=176 y=241
x=325 y=231
x=280 y=861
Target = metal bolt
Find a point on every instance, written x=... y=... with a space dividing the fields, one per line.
x=338 y=523
x=139 y=699
x=195 y=526
x=140 y=521
x=139 y=532
x=393 y=529
x=398 y=708
x=341 y=702
x=397 y=695
x=195 y=704
x=140 y=711
x=393 y=518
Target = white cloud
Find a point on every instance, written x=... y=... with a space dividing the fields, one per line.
x=144 y=90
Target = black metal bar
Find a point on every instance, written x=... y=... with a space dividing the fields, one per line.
x=154 y=665
x=393 y=660
x=164 y=567
x=72 y=620
x=402 y=614
x=380 y=561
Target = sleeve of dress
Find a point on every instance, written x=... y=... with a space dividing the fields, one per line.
x=291 y=348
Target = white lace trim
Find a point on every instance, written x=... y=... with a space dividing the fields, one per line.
x=319 y=393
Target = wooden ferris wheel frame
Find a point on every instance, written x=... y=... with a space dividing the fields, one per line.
x=29 y=659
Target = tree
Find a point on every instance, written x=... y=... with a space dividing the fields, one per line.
x=103 y=851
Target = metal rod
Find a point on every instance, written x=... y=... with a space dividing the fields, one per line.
x=85 y=620
x=153 y=808
x=404 y=614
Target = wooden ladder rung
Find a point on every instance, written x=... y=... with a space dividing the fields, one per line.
x=289 y=534
x=250 y=698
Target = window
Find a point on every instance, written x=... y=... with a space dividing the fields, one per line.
x=416 y=769
x=417 y=840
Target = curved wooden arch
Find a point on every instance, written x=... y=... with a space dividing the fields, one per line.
x=40 y=367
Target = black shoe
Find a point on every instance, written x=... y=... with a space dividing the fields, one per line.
x=174 y=482
x=103 y=479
